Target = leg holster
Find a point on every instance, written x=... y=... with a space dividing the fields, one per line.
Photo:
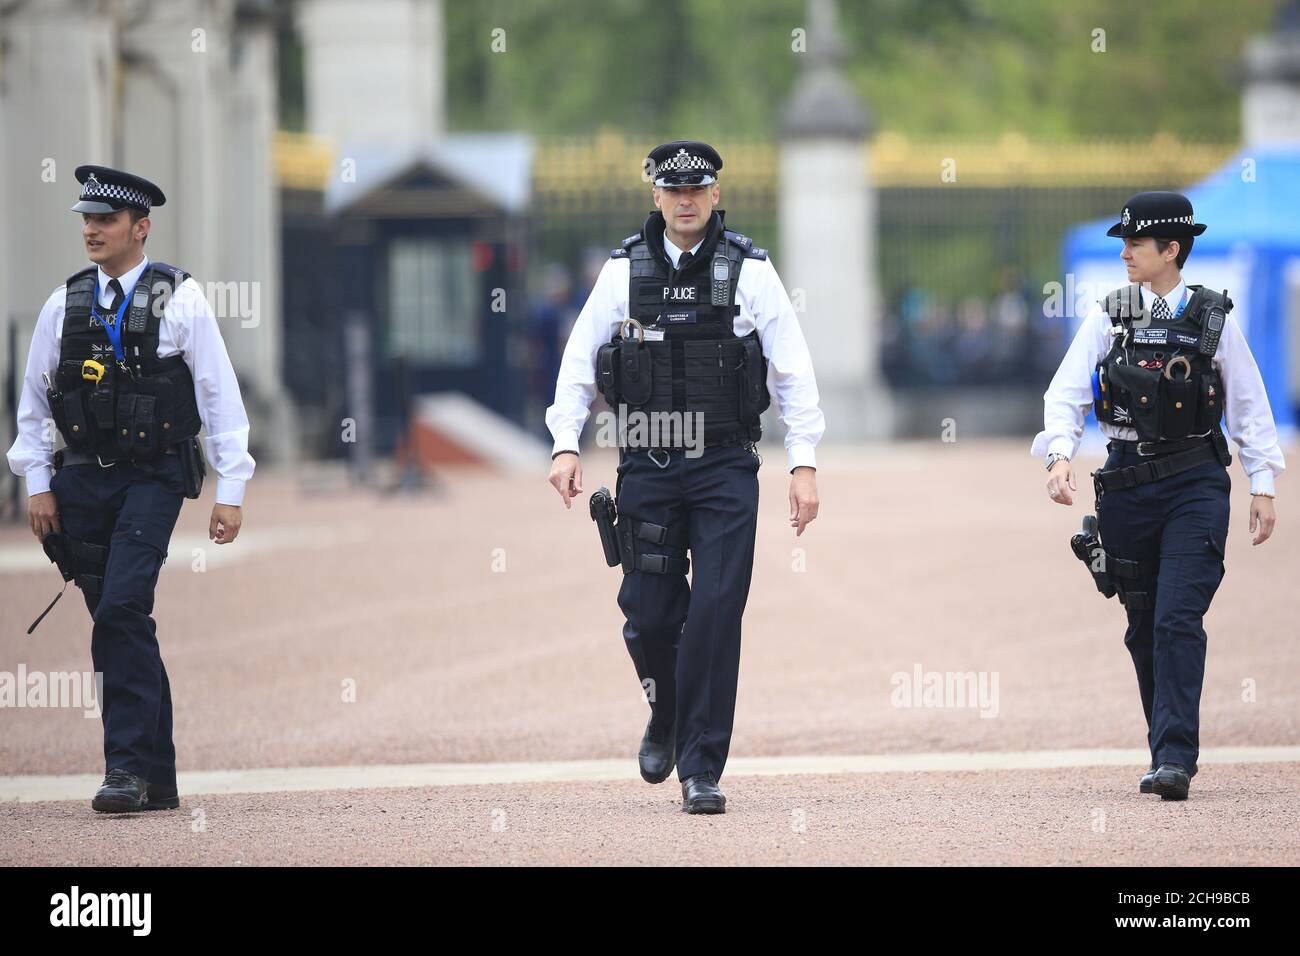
x=80 y=562
x=1130 y=576
x=645 y=546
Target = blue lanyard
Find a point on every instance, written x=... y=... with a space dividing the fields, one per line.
x=114 y=330
x=1179 y=311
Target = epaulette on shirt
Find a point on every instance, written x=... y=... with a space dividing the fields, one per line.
x=628 y=243
x=746 y=243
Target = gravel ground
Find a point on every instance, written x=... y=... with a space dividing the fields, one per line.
x=479 y=623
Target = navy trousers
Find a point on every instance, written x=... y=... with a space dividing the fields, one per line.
x=1182 y=522
x=132 y=509
x=684 y=639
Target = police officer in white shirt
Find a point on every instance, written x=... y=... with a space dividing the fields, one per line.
x=127 y=362
x=1162 y=365
x=686 y=333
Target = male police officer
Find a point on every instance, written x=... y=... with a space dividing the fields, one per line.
x=1160 y=363
x=689 y=322
x=127 y=361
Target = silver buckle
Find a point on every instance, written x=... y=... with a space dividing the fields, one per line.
x=667 y=457
x=101 y=462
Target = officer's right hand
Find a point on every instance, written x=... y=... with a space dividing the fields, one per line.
x=43 y=514
x=1060 y=483
x=566 y=476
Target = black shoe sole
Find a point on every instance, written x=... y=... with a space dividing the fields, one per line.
x=1169 y=793
x=117 y=805
x=650 y=778
x=705 y=805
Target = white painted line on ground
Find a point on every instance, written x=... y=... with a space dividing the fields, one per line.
x=388 y=776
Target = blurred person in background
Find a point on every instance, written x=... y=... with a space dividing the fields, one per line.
x=549 y=323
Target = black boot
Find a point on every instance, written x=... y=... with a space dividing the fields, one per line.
x=700 y=794
x=658 y=753
x=1171 y=782
x=121 y=792
x=1144 y=785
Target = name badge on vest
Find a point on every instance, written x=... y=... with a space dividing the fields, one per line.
x=679 y=293
x=1151 y=336
x=1182 y=338
x=683 y=317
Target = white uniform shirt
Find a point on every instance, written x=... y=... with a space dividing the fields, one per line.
x=1247 y=418
x=188 y=328
x=764 y=306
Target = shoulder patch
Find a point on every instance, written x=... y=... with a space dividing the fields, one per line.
x=619 y=253
x=756 y=253
x=177 y=274
x=631 y=241
x=88 y=274
x=1213 y=298
x=741 y=240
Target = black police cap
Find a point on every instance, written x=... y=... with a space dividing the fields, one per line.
x=684 y=162
x=1163 y=215
x=105 y=190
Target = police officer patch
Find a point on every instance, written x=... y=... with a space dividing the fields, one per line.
x=1151 y=336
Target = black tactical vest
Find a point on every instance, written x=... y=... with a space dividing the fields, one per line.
x=129 y=410
x=690 y=360
x=1158 y=376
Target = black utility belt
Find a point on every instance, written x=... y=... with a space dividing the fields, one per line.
x=1211 y=448
x=72 y=456
x=1149 y=449
x=193 y=467
x=738 y=436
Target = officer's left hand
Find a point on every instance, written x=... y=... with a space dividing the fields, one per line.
x=803 y=498
x=223 y=527
x=1261 y=518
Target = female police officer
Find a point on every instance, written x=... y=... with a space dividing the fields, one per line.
x=707 y=314
x=1162 y=363
x=127 y=361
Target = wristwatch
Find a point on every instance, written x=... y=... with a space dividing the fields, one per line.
x=1054 y=457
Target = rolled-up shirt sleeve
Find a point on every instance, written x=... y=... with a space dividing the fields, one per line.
x=575 y=387
x=1069 y=395
x=790 y=376
x=1248 y=417
x=216 y=391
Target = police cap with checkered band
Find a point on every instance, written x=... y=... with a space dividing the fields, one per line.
x=684 y=162
x=1162 y=215
x=105 y=190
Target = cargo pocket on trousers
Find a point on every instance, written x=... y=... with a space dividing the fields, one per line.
x=152 y=531
x=1217 y=544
